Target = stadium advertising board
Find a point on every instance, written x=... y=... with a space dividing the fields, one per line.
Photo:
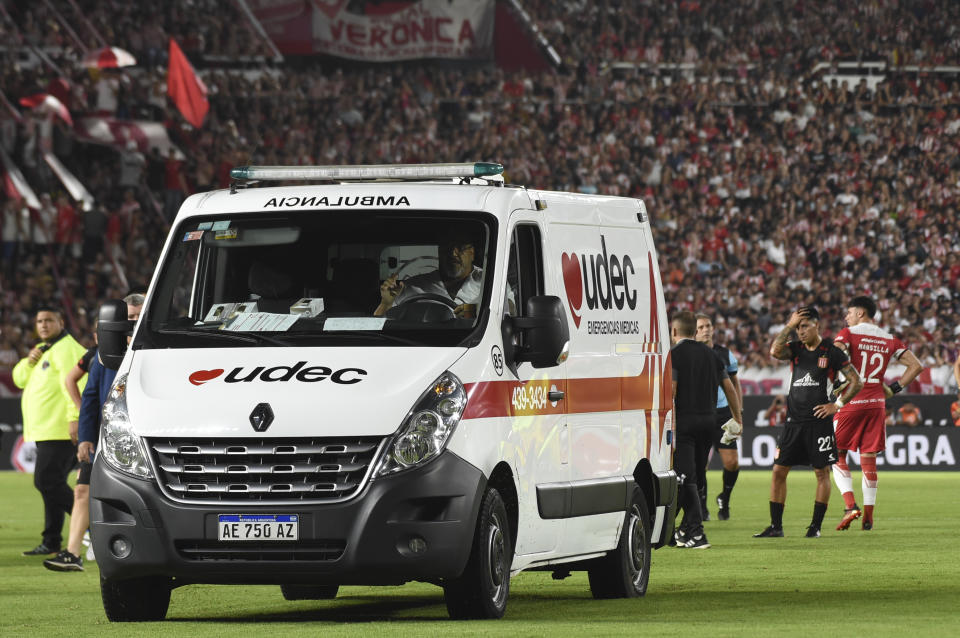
x=451 y=29
x=933 y=447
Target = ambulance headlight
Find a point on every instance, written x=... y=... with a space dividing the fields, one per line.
x=428 y=426
x=120 y=447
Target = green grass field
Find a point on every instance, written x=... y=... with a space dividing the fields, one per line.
x=900 y=578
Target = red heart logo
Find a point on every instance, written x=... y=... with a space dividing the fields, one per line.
x=573 y=283
x=202 y=376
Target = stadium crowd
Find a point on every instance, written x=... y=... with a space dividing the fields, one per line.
x=768 y=186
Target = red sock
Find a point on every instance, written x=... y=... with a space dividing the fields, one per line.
x=868 y=513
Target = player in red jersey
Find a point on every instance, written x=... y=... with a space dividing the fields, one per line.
x=859 y=424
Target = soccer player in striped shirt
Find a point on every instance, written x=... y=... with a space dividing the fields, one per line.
x=859 y=424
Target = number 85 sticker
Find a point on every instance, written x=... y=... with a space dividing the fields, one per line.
x=496 y=355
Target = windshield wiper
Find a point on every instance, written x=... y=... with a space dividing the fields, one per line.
x=247 y=337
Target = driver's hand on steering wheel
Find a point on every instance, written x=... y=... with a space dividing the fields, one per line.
x=390 y=288
x=466 y=311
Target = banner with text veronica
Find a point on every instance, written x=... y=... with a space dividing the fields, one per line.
x=461 y=29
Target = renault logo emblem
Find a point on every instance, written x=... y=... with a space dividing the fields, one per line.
x=261 y=417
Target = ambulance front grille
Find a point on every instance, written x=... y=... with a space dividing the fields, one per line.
x=242 y=471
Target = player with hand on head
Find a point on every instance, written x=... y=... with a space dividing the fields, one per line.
x=859 y=424
x=807 y=437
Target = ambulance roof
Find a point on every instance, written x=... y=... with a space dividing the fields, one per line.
x=456 y=187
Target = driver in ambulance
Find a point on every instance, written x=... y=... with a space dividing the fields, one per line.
x=457 y=279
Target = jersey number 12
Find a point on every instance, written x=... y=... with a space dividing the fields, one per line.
x=876 y=361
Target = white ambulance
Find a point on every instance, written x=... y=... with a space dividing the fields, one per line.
x=388 y=376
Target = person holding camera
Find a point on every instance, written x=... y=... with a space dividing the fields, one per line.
x=777 y=412
x=807 y=437
x=47 y=411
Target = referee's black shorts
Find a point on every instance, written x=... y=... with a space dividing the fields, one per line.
x=807 y=443
x=723 y=415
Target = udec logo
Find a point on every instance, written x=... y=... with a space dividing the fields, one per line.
x=343 y=376
x=603 y=279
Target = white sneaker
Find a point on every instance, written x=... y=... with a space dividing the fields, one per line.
x=89 y=545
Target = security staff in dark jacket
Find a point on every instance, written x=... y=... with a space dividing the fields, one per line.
x=697 y=371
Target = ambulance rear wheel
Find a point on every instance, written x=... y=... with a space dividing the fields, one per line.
x=624 y=572
x=309 y=592
x=481 y=590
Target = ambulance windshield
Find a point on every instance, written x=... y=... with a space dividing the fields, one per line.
x=327 y=279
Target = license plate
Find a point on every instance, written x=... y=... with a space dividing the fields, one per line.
x=258 y=527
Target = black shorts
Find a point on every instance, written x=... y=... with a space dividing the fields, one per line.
x=723 y=415
x=807 y=443
x=83 y=477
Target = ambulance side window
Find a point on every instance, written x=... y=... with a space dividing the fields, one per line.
x=524 y=269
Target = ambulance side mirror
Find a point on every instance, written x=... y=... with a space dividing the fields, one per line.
x=113 y=328
x=544 y=333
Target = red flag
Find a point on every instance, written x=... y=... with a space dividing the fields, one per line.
x=186 y=89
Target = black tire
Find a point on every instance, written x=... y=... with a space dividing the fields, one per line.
x=309 y=592
x=624 y=572
x=135 y=599
x=482 y=589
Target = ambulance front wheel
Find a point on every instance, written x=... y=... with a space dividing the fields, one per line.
x=481 y=590
x=624 y=572
x=135 y=599
x=309 y=592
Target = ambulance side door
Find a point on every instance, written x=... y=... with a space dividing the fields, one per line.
x=537 y=436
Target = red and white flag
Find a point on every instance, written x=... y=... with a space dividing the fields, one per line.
x=185 y=88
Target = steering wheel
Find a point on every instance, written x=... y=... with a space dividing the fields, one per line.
x=429 y=296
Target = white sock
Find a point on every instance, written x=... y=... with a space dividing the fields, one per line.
x=843 y=479
x=869 y=491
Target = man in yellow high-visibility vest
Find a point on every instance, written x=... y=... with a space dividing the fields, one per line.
x=47 y=411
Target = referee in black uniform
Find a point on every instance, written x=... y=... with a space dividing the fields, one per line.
x=807 y=437
x=697 y=371
x=729 y=455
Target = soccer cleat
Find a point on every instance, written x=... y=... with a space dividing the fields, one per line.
x=849 y=516
x=723 y=508
x=770 y=532
x=866 y=525
x=813 y=532
x=697 y=542
x=64 y=562
x=41 y=550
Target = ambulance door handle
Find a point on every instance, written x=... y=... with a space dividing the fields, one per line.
x=555 y=395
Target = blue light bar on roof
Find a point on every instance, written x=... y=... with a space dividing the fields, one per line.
x=367 y=171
